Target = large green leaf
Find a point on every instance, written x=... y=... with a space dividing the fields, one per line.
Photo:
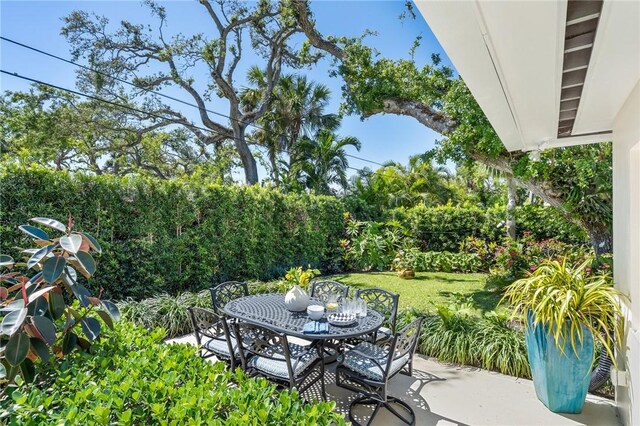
x=39 y=255
x=90 y=327
x=6 y=261
x=28 y=370
x=93 y=243
x=38 y=307
x=16 y=305
x=12 y=322
x=71 y=243
x=17 y=348
x=34 y=232
x=51 y=223
x=106 y=318
x=40 y=348
x=56 y=304
x=46 y=328
x=112 y=308
x=87 y=262
x=71 y=273
x=39 y=293
x=53 y=268
x=36 y=279
x=69 y=343
x=82 y=294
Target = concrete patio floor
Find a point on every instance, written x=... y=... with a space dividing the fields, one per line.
x=443 y=394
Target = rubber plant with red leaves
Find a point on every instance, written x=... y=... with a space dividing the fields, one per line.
x=39 y=317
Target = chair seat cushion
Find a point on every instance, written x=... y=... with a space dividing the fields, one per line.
x=301 y=359
x=367 y=367
x=219 y=346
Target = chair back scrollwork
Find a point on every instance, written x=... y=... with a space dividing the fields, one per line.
x=226 y=292
x=323 y=289
x=383 y=302
x=406 y=340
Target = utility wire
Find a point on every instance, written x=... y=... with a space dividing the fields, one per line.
x=164 y=95
x=130 y=108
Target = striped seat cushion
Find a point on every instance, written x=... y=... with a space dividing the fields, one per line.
x=367 y=367
x=219 y=347
x=301 y=359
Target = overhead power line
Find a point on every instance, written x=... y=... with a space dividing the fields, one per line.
x=128 y=107
x=164 y=95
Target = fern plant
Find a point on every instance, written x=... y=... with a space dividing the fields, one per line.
x=569 y=299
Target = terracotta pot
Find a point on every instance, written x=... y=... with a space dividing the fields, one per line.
x=407 y=274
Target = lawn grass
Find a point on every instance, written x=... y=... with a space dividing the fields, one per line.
x=427 y=288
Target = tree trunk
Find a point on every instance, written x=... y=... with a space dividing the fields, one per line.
x=248 y=162
x=511 y=207
x=600 y=236
x=274 y=167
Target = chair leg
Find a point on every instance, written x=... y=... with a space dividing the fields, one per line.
x=409 y=418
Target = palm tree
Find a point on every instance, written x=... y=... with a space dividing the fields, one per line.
x=322 y=162
x=297 y=110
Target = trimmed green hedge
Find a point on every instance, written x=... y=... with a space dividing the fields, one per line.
x=175 y=235
x=132 y=378
x=445 y=228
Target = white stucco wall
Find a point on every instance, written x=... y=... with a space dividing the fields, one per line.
x=626 y=246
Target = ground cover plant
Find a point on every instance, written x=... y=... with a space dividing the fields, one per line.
x=134 y=378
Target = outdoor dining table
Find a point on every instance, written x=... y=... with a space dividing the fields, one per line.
x=269 y=310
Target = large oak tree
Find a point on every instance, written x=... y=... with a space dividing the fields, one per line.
x=144 y=55
x=576 y=180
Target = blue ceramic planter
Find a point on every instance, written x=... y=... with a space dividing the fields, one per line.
x=561 y=379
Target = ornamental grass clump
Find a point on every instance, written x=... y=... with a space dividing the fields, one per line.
x=566 y=298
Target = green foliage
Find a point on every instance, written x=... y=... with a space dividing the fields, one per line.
x=395 y=185
x=455 y=334
x=372 y=245
x=569 y=299
x=446 y=228
x=170 y=312
x=35 y=319
x=513 y=259
x=134 y=378
x=444 y=261
x=176 y=235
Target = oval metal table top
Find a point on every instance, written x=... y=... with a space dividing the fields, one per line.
x=269 y=310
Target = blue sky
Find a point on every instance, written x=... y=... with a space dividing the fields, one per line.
x=383 y=138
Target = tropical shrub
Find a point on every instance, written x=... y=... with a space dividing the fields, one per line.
x=132 y=378
x=37 y=319
x=444 y=261
x=372 y=246
x=446 y=228
x=176 y=235
x=513 y=259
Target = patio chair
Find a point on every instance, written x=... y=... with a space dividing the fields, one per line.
x=226 y=292
x=367 y=368
x=322 y=289
x=386 y=304
x=269 y=354
x=213 y=336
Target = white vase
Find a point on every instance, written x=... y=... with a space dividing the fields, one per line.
x=296 y=300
